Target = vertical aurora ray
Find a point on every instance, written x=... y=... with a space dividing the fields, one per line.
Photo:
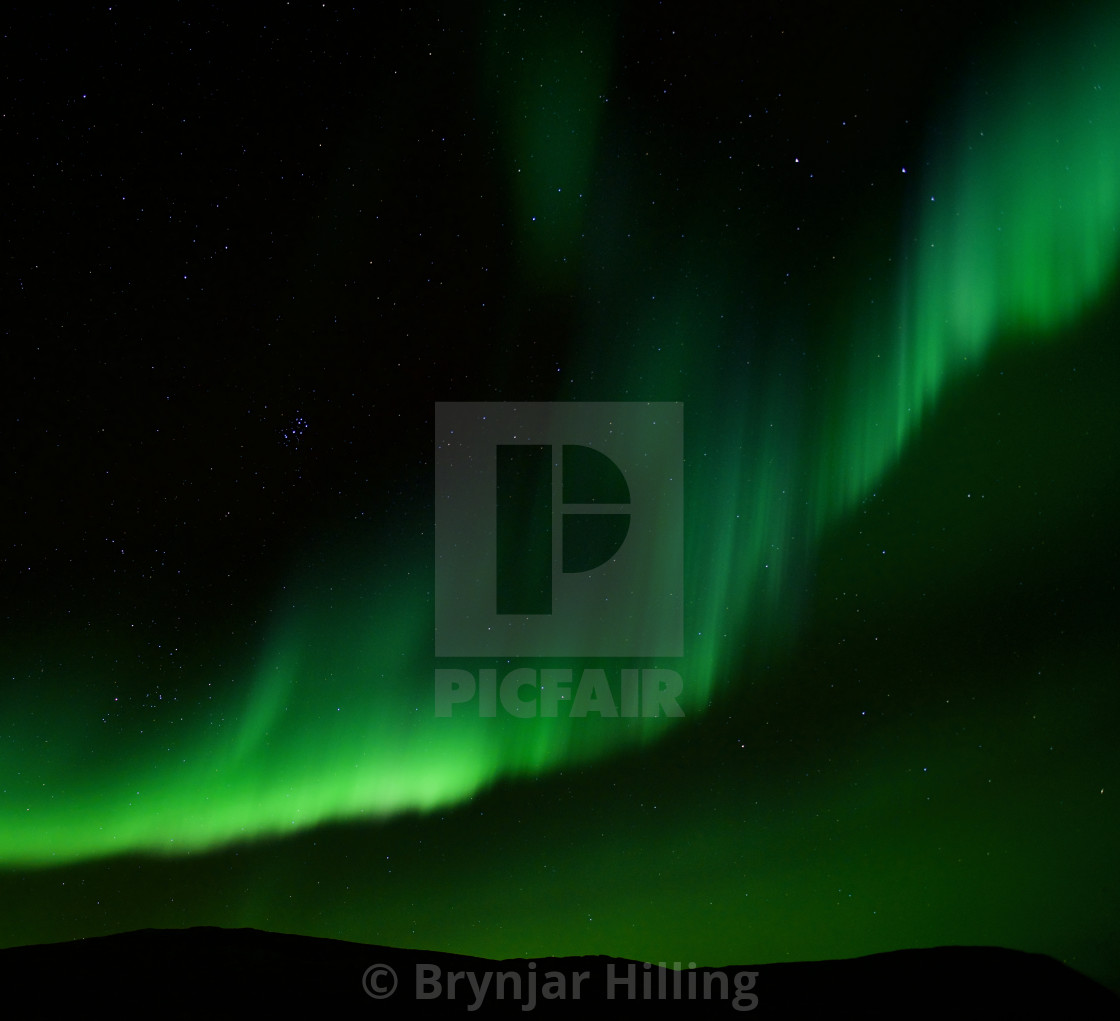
x=1018 y=231
x=1016 y=235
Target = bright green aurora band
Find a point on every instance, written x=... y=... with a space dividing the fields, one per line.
x=1016 y=235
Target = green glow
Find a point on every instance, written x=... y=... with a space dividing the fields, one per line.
x=549 y=104
x=1017 y=235
x=338 y=723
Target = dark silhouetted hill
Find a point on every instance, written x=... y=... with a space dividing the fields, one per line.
x=217 y=972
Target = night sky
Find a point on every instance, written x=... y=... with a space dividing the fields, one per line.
x=873 y=252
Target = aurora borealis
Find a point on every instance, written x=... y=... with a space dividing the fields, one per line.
x=249 y=262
